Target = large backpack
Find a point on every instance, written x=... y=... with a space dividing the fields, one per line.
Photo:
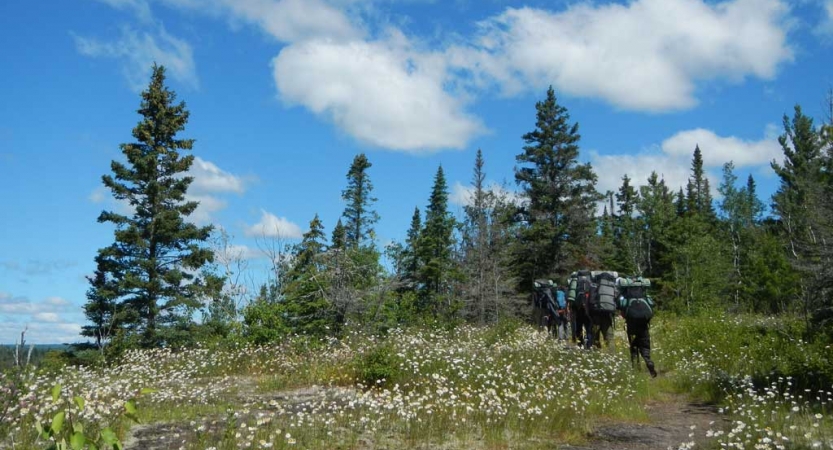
x=571 y=288
x=604 y=299
x=583 y=290
x=543 y=295
x=635 y=302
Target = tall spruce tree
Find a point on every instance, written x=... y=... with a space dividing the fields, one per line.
x=476 y=245
x=435 y=247
x=153 y=267
x=561 y=196
x=630 y=251
x=698 y=194
x=410 y=259
x=339 y=239
x=804 y=210
x=359 y=215
x=655 y=205
x=305 y=305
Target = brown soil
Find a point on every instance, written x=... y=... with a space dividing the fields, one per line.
x=672 y=423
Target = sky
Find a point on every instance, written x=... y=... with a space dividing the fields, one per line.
x=284 y=93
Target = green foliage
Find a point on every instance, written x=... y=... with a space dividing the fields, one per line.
x=264 y=320
x=437 y=267
x=359 y=215
x=711 y=353
x=378 y=367
x=67 y=431
x=558 y=218
x=148 y=279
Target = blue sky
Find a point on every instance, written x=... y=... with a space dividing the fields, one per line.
x=284 y=93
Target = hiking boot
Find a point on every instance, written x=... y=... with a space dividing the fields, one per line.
x=652 y=370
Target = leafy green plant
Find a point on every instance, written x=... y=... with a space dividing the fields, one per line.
x=379 y=366
x=65 y=431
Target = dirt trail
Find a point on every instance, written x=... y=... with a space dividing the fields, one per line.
x=672 y=423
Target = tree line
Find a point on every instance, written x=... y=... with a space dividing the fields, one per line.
x=161 y=282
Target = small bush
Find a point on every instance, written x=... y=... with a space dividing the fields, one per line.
x=379 y=366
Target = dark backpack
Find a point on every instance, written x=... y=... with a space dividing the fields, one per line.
x=583 y=291
x=541 y=294
x=635 y=302
x=604 y=297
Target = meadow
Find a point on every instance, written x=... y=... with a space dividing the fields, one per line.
x=505 y=386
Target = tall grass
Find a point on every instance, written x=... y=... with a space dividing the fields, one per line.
x=774 y=386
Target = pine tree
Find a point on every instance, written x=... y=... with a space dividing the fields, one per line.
x=410 y=263
x=561 y=196
x=305 y=306
x=435 y=247
x=359 y=215
x=155 y=261
x=656 y=208
x=630 y=252
x=804 y=210
x=800 y=180
x=698 y=194
x=100 y=308
x=339 y=239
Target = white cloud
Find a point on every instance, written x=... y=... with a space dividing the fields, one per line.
x=204 y=214
x=672 y=159
x=718 y=150
x=610 y=169
x=235 y=252
x=56 y=301
x=274 y=226
x=210 y=178
x=209 y=181
x=139 y=50
x=825 y=26
x=46 y=317
x=646 y=55
x=12 y=305
x=384 y=93
x=284 y=20
x=463 y=195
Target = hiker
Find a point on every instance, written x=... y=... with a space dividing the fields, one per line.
x=602 y=309
x=558 y=312
x=540 y=318
x=577 y=305
x=637 y=308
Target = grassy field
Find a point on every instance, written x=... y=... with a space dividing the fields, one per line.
x=507 y=386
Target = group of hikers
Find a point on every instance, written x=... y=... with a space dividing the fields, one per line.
x=589 y=302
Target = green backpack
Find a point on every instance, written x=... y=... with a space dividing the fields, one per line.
x=634 y=300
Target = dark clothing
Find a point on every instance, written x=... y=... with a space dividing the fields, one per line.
x=602 y=328
x=581 y=327
x=640 y=340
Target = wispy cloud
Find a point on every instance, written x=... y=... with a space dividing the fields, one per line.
x=138 y=50
x=37 y=267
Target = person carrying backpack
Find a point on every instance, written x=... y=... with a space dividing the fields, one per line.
x=578 y=297
x=637 y=308
x=602 y=308
x=558 y=313
x=540 y=300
